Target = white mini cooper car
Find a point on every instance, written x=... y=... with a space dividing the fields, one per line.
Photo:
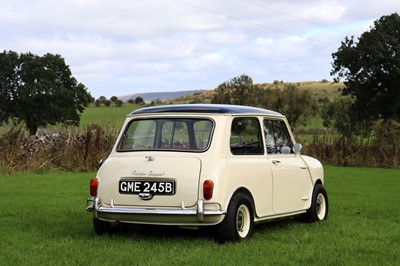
x=206 y=165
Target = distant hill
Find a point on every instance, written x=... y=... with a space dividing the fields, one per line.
x=319 y=89
x=163 y=96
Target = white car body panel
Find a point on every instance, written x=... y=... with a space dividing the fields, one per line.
x=279 y=184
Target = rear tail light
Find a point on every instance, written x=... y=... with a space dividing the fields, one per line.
x=208 y=187
x=94 y=182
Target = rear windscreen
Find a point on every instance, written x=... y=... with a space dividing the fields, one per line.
x=167 y=134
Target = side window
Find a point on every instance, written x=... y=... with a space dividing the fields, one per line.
x=246 y=136
x=277 y=138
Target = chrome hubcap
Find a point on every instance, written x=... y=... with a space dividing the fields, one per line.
x=239 y=221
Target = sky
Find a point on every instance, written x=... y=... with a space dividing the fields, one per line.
x=121 y=47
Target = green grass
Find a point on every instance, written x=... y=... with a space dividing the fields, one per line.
x=316 y=122
x=107 y=116
x=43 y=222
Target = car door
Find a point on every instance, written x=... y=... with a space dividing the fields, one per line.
x=290 y=176
x=246 y=163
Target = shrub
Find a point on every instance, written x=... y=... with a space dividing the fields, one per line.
x=386 y=135
x=77 y=150
x=380 y=149
x=68 y=149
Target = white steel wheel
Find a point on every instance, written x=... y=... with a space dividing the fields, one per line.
x=243 y=218
x=318 y=210
x=321 y=206
x=239 y=220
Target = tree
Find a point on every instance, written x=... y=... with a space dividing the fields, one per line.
x=8 y=82
x=118 y=103
x=158 y=101
x=222 y=94
x=297 y=105
x=371 y=69
x=139 y=100
x=336 y=114
x=39 y=90
x=102 y=99
x=107 y=103
x=239 y=90
x=113 y=99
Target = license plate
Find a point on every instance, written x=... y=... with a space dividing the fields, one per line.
x=145 y=186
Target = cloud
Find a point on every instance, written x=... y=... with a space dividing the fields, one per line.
x=120 y=47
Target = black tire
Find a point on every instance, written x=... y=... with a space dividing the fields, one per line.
x=318 y=210
x=238 y=223
x=101 y=227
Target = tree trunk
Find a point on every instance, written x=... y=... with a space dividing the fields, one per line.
x=31 y=126
x=32 y=130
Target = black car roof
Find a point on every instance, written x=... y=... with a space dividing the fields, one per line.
x=205 y=108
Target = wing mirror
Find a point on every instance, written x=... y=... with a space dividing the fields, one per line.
x=297 y=148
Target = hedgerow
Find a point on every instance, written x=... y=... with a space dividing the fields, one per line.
x=69 y=149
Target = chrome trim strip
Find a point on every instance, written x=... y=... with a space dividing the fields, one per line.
x=280 y=215
x=157 y=211
x=93 y=205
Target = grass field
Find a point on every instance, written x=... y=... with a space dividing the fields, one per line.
x=114 y=117
x=43 y=222
x=107 y=116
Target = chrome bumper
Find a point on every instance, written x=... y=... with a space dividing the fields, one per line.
x=93 y=205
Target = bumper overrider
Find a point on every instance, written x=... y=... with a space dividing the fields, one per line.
x=191 y=216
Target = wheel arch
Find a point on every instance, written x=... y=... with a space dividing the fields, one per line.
x=248 y=193
x=318 y=181
x=239 y=220
x=310 y=193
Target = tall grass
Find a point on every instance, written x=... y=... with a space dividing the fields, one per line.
x=71 y=149
x=380 y=149
x=81 y=150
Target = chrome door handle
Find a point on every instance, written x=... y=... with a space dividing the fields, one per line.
x=276 y=161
